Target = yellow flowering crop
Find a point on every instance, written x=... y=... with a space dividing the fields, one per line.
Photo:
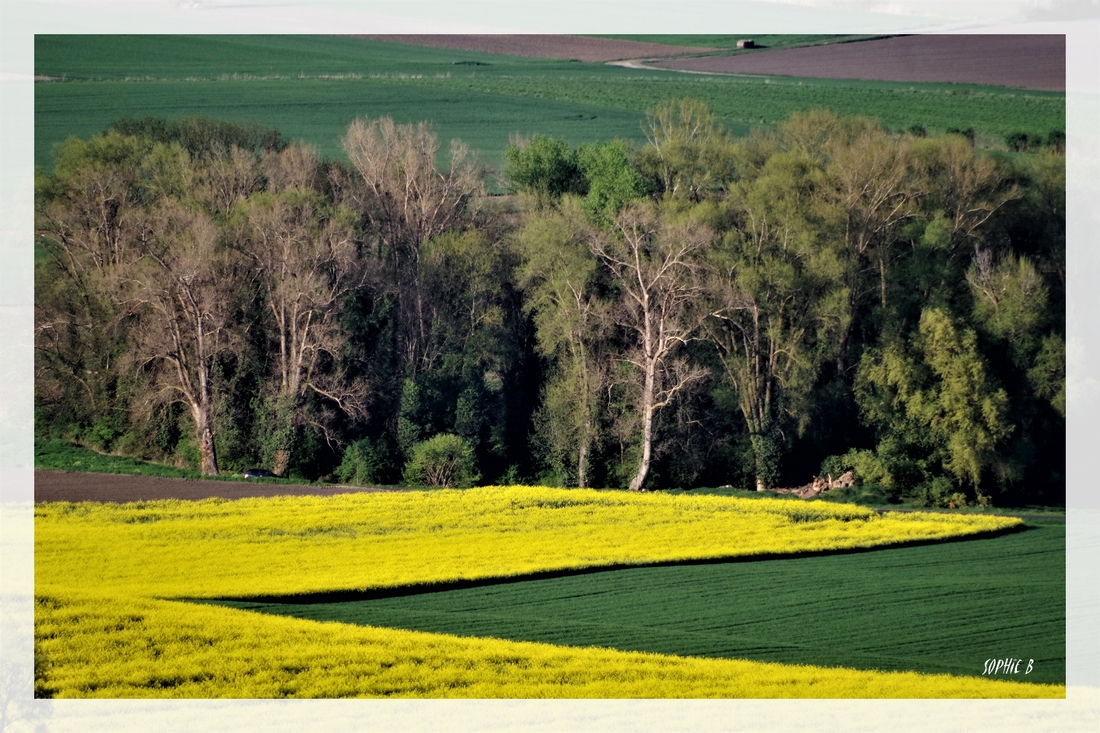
x=293 y=545
x=104 y=573
x=108 y=647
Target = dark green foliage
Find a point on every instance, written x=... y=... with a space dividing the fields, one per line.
x=201 y=136
x=1056 y=140
x=544 y=167
x=968 y=133
x=942 y=608
x=894 y=301
x=366 y=462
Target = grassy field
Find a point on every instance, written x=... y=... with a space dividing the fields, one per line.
x=109 y=581
x=312 y=87
x=52 y=454
x=935 y=609
x=62 y=455
x=96 y=646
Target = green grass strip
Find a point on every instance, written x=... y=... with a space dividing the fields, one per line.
x=943 y=608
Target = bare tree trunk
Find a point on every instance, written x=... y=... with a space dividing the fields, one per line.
x=647 y=436
x=205 y=434
x=655 y=263
x=586 y=441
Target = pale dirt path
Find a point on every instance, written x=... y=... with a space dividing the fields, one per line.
x=546 y=46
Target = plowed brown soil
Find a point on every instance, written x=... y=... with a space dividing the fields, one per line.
x=1029 y=62
x=109 y=487
x=544 y=46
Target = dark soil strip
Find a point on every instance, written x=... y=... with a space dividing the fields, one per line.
x=109 y=487
x=1030 y=62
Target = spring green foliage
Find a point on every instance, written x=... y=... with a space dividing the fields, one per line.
x=688 y=153
x=888 y=303
x=364 y=463
x=543 y=167
x=612 y=180
x=442 y=461
x=558 y=276
x=938 y=396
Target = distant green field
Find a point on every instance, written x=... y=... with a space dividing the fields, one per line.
x=943 y=608
x=312 y=87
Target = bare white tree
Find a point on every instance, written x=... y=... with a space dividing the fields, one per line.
x=182 y=295
x=657 y=265
x=407 y=201
x=306 y=261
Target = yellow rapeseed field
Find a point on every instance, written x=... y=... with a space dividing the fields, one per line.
x=105 y=624
x=291 y=545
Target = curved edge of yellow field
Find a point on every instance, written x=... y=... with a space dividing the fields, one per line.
x=94 y=646
x=299 y=545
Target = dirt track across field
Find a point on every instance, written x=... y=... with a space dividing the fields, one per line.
x=581 y=48
x=109 y=487
x=1029 y=62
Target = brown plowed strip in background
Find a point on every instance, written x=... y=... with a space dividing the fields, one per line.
x=1030 y=62
x=543 y=46
x=110 y=487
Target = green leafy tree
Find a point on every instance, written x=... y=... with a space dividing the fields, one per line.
x=937 y=394
x=443 y=461
x=689 y=155
x=559 y=276
x=1010 y=300
x=543 y=167
x=612 y=181
x=364 y=463
x=778 y=303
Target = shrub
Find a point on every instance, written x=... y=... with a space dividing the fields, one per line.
x=444 y=461
x=365 y=463
x=936 y=493
x=1056 y=139
x=866 y=465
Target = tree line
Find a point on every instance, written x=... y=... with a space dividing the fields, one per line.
x=698 y=310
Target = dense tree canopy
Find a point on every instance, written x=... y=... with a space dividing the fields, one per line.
x=703 y=309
